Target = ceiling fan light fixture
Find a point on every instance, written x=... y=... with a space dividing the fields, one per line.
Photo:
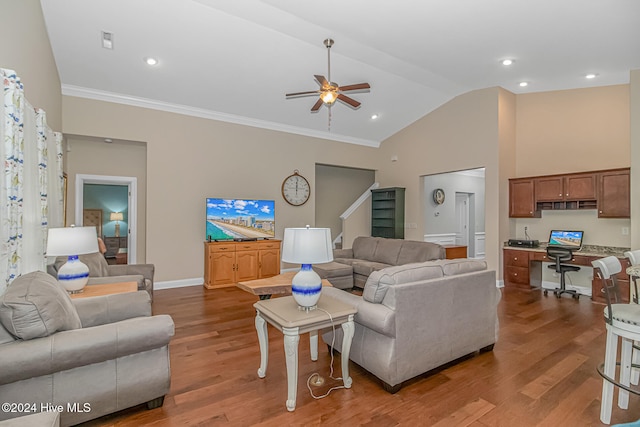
x=329 y=96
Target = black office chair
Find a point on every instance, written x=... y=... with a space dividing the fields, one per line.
x=560 y=255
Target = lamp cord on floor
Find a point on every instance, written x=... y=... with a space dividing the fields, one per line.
x=315 y=374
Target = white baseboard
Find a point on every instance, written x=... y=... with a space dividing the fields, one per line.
x=168 y=284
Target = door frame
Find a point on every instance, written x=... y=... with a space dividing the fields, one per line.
x=132 y=184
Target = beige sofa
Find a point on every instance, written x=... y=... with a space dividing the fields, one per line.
x=369 y=254
x=416 y=317
x=101 y=354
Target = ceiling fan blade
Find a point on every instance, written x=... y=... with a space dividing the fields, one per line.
x=358 y=86
x=322 y=81
x=350 y=101
x=316 y=106
x=308 y=93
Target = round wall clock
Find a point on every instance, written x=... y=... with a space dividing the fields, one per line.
x=438 y=196
x=296 y=189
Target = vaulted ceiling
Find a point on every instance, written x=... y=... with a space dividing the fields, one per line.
x=235 y=60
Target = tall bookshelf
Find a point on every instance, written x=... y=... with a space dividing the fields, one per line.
x=387 y=212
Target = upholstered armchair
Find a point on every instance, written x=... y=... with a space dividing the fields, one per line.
x=103 y=353
x=100 y=272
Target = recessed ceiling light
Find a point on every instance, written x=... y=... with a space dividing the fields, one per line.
x=591 y=76
x=507 y=61
x=151 y=61
x=374 y=116
x=108 y=140
x=524 y=84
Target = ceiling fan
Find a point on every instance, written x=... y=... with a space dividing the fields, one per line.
x=329 y=91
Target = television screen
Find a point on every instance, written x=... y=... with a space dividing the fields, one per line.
x=240 y=219
x=568 y=239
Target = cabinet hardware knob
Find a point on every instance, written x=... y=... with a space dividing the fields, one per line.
x=515 y=258
x=515 y=274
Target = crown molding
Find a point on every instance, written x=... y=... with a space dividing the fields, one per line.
x=134 y=101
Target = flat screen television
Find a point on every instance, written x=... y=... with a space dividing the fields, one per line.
x=229 y=219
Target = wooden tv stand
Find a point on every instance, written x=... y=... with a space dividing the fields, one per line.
x=229 y=262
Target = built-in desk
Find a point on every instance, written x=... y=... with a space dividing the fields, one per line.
x=523 y=267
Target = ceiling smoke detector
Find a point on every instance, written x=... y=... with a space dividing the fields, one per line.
x=107 y=40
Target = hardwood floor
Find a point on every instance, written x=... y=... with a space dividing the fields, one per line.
x=542 y=372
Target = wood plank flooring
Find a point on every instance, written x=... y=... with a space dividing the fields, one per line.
x=542 y=372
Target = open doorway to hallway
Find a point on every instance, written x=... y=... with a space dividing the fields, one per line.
x=454 y=210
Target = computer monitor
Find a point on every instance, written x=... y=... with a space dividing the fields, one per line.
x=566 y=239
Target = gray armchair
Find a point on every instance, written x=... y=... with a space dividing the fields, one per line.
x=100 y=272
x=104 y=353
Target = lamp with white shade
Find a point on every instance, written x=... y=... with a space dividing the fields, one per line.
x=71 y=242
x=307 y=246
x=116 y=216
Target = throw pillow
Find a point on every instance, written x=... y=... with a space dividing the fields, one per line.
x=36 y=305
x=379 y=281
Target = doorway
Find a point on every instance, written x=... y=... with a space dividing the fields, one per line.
x=130 y=231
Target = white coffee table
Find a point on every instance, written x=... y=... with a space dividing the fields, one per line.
x=283 y=314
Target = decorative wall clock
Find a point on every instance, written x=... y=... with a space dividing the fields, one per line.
x=296 y=189
x=438 y=196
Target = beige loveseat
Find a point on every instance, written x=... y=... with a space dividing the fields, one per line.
x=416 y=317
x=90 y=356
x=369 y=254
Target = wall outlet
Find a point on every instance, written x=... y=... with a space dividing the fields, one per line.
x=625 y=231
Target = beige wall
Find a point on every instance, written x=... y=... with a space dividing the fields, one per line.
x=461 y=134
x=27 y=51
x=119 y=158
x=189 y=159
x=573 y=131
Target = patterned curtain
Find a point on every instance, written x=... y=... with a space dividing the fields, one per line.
x=31 y=188
x=13 y=157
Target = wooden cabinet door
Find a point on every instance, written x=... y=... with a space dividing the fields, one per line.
x=580 y=187
x=549 y=189
x=222 y=268
x=246 y=265
x=614 y=194
x=521 y=201
x=269 y=262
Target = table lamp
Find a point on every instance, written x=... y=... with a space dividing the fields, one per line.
x=71 y=242
x=307 y=246
x=116 y=216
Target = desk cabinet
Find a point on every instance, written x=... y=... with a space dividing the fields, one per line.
x=614 y=199
x=608 y=191
x=227 y=263
x=522 y=269
x=521 y=199
x=516 y=268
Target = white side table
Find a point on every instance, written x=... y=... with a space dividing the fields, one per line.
x=283 y=314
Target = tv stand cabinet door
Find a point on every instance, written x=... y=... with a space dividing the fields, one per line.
x=222 y=268
x=246 y=265
x=269 y=262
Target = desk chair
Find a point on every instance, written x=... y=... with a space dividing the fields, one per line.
x=560 y=255
x=622 y=320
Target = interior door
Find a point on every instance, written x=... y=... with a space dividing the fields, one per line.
x=462 y=219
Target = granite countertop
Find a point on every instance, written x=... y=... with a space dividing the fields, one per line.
x=587 y=250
